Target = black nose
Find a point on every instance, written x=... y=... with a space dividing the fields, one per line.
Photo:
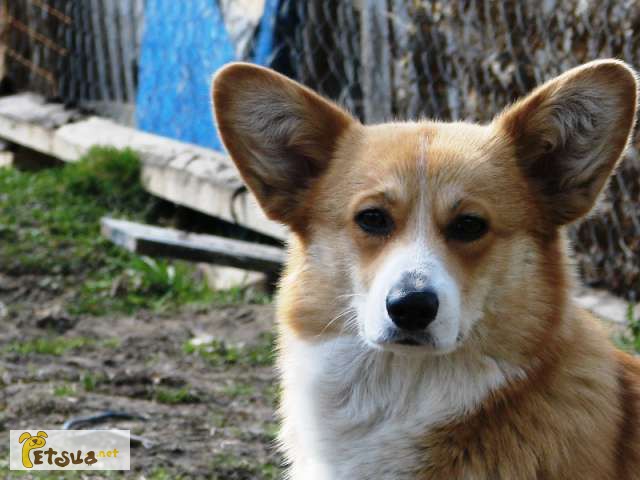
x=411 y=304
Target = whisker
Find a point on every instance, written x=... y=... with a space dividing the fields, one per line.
x=347 y=323
x=351 y=295
x=349 y=309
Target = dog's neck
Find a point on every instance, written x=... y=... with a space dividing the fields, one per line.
x=342 y=399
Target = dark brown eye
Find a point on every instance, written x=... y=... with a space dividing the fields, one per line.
x=467 y=228
x=375 y=221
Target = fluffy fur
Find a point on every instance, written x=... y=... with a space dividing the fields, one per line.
x=511 y=380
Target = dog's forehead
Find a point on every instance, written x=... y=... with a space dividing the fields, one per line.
x=426 y=152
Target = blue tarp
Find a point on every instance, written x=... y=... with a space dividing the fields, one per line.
x=183 y=44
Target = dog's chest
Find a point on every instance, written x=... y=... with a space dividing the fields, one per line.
x=350 y=412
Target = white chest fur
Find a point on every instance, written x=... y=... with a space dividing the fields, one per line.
x=350 y=412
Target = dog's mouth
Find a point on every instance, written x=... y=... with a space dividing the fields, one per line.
x=408 y=340
x=414 y=343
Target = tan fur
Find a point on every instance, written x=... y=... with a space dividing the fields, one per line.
x=539 y=166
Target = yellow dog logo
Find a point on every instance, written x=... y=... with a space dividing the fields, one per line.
x=32 y=442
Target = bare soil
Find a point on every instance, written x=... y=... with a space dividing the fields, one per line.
x=203 y=417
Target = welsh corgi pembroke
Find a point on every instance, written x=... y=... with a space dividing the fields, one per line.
x=426 y=325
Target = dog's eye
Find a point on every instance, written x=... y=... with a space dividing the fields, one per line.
x=467 y=228
x=374 y=221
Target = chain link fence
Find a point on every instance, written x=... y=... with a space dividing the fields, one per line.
x=466 y=60
x=382 y=59
x=81 y=52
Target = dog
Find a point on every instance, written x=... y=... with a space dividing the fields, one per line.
x=426 y=326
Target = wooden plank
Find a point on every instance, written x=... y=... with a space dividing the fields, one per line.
x=99 y=47
x=129 y=46
x=6 y=159
x=190 y=186
x=166 y=242
x=113 y=33
x=375 y=44
x=185 y=174
x=605 y=305
x=27 y=120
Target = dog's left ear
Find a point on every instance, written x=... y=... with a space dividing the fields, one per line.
x=570 y=133
x=281 y=135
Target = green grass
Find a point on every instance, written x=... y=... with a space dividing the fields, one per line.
x=630 y=341
x=273 y=393
x=239 y=389
x=90 y=381
x=238 y=295
x=143 y=283
x=48 y=345
x=175 y=396
x=49 y=218
x=226 y=466
x=219 y=353
x=56 y=345
x=161 y=473
x=64 y=390
x=49 y=225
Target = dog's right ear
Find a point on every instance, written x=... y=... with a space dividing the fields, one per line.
x=570 y=133
x=280 y=134
x=24 y=436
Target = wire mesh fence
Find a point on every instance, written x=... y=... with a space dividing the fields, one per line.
x=466 y=60
x=83 y=53
x=382 y=59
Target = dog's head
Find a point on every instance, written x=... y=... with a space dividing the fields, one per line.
x=419 y=236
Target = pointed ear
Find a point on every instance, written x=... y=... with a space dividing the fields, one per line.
x=281 y=135
x=570 y=133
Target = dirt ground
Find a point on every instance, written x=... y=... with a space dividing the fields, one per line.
x=205 y=415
